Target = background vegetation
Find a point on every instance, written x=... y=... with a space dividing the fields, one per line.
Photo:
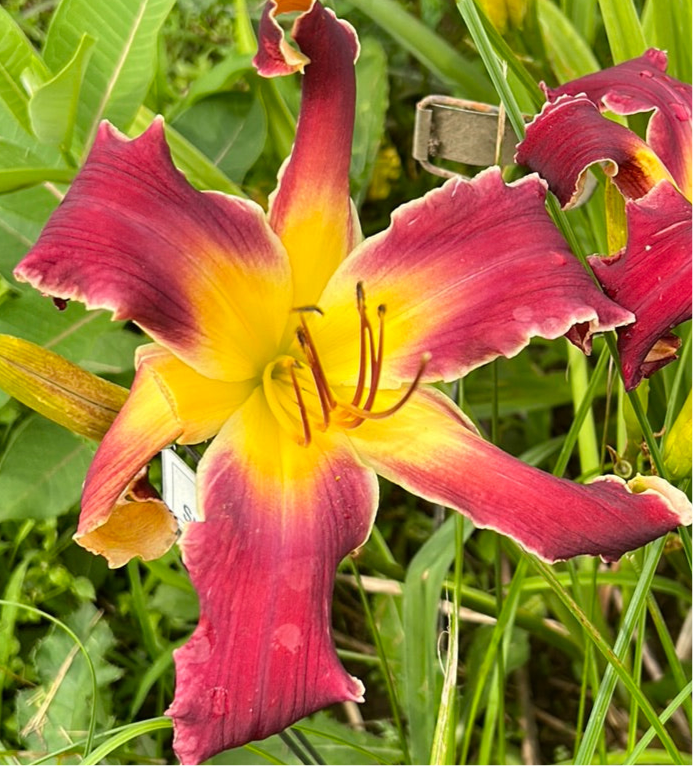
x=472 y=651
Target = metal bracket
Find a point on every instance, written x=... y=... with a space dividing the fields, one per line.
x=462 y=131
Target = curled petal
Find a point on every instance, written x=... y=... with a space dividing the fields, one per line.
x=470 y=272
x=311 y=210
x=429 y=449
x=278 y=518
x=139 y=524
x=195 y=270
x=275 y=56
x=652 y=278
x=169 y=401
x=570 y=134
x=640 y=85
x=143 y=427
x=624 y=88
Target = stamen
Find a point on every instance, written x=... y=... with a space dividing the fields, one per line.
x=301 y=409
x=371 y=359
x=363 y=414
x=376 y=359
x=363 y=329
x=327 y=401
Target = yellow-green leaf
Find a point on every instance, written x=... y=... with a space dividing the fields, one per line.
x=677 y=444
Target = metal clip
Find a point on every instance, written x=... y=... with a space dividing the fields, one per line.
x=462 y=131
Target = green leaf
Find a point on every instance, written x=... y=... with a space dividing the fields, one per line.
x=198 y=169
x=123 y=60
x=22 y=215
x=420 y=609
x=335 y=742
x=623 y=29
x=583 y=15
x=14 y=179
x=435 y=53
x=230 y=128
x=59 y=707
x=16 y=55
x=371 y=105
x=53 y=107
x=221 y=77
x=667 y=24
x=73 y=333
x=41 y=471
x=569 y=55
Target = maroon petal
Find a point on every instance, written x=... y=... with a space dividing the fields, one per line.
x=430 y=449
x=652 y=278
x=570 y=134
x=278 y=520
x=470 y=272
x=311 y=210
x=134 y=237
x=641 y=85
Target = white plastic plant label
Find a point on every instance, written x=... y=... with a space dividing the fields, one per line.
x=179 y=487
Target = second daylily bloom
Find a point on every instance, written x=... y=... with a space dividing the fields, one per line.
x=652 y=275
x=307 y=354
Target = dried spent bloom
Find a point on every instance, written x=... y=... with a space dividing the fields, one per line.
x=308 y=354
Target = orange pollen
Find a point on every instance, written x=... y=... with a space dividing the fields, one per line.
x=371 y=354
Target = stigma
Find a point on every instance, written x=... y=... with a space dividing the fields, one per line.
x=307 y=402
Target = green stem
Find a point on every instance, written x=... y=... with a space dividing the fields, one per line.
x=391 y=692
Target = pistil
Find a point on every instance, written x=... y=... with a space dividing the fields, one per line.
x=301 y=407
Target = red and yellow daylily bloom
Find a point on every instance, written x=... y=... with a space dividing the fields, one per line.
x=651 y=276
x=308 y=355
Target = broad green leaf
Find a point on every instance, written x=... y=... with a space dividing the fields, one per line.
x=15 y=179
x=677 y=445
x=16 y=55
x=59 y=707
x=626 y=38
x=371 y=105
x=53 y=107
x=435 y=53
x=230 y=128
x=522 y=387
x=22 y=215
x=666 y=25
x=5 y=289
x=41 y=470
x=58 y=389
x=72 y=333
x=219 y=78
x=198 y=169
x=583 y=15
x=568 y=53
x=123 y=60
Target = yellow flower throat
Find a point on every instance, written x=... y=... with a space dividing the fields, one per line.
x=300 y=395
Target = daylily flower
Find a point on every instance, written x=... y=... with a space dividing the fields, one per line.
x=308 y=354
x=651 y=276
